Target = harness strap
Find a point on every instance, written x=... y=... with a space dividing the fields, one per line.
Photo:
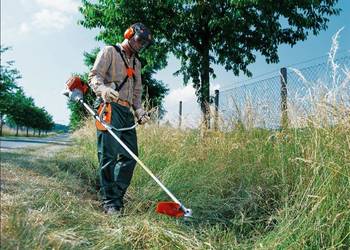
x=130 y=72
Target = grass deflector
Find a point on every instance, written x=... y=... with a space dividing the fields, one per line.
x=75 y=90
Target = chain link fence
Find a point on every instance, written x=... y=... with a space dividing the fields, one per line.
x=291 y=92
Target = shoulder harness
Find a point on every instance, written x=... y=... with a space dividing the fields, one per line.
x=130 y=72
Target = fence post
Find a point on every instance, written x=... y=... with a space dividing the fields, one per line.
x=216 y=115
x=284 y=112
x=158 y=119
x=180 y=114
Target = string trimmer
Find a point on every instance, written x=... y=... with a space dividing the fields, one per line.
x=75 y=90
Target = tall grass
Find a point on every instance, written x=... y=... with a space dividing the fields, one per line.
x=248 y=188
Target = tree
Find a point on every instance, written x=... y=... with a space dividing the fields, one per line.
x=8 y=85
x=43 y=120
x=205 y=32
x=38 y=118
x=27 y=107
x=18 y=110
x=48 y=124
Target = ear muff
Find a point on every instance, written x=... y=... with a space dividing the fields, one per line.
x=129 y=33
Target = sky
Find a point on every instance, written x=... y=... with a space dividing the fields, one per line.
x=48 y=45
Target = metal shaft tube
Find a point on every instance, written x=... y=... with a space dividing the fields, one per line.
x=109 y=128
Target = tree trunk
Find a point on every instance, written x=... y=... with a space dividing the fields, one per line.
x=205 y=83
x=39 y=132
x=16 y=130
x=33 y=132
x=27 y=131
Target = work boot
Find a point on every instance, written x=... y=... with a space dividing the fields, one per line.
x=112 y=210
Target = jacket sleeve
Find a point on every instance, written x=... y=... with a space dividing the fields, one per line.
x=137 y=94
x=98 y=73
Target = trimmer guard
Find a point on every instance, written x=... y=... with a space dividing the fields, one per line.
x=170 y=208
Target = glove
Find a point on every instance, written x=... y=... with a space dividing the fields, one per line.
x=142 y=116
x=107 y=93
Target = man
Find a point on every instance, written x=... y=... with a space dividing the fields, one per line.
x=116 y=79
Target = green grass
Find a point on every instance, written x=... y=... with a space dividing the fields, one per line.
x=247 y=189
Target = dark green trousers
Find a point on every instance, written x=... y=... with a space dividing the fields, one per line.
x=116 y=166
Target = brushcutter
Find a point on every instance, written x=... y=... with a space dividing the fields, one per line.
x=75 y=90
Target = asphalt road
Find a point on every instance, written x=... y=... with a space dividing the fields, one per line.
x=23 y=142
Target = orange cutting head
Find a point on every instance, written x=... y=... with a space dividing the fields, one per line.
x=169 y=208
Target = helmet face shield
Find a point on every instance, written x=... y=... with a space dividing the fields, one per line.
x=141 y=38
x=145 y=42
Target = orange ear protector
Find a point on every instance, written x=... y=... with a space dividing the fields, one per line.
x=129 y=33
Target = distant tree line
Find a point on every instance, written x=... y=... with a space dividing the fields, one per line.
x=17 y=109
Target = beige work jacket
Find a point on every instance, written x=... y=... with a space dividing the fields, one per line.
x=109 y=69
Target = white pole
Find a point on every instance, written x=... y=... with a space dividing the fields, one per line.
x=132 y=154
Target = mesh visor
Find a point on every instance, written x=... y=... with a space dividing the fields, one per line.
x=145 y=41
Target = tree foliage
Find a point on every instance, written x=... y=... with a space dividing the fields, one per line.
x=8 y=84
x=203 y=33
x=24 y=113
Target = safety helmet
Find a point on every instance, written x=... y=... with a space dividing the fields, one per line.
x=140 y=33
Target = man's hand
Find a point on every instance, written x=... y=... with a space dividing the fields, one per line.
x=142 y=116
x=107 y=93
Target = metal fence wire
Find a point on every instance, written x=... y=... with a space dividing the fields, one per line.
x=260 y=103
